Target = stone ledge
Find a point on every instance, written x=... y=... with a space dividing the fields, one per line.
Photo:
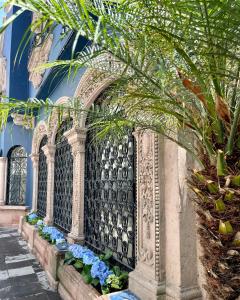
x=14 y=207
x=11 y=215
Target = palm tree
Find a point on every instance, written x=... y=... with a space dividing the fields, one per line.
x=179 y=76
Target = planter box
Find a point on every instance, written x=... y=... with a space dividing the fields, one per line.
x=71 y=285
x=28 y=232
x=47 y=254
x=49 y=258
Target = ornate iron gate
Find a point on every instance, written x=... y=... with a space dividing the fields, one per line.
x=17 y=175
x=63 y=180
x=42 y=180
x=110 y=197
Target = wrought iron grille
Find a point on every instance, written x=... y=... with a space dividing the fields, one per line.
x=63 y=179
x=110 y=197
x=42 y=180
x=17 y=176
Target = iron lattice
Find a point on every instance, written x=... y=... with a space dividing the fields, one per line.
x=42 y=180
x=63 y=180
x=17 y=176
x=110 y=197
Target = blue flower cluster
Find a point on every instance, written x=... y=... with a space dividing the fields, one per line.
x=32 y=216
x=54 y=233
x=99 y=269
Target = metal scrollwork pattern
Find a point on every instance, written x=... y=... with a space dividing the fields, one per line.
x=63 y=179
x=110 y=198
x=42 y=180
x=17 y=175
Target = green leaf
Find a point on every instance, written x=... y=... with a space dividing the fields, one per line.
x=117 y=270
x=87 y=277
x=108 y=255
x=78 y=264
x=95 y=282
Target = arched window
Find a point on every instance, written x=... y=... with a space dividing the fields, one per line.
x=110 y=195
x=63 y=180
x=42 y=180
x=17 y=176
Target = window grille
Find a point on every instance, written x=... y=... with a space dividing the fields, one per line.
x=63 y=180
x=42 y=180
x=110 y=205
x=17 y=176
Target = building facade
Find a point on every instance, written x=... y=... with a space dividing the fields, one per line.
x=129 y=196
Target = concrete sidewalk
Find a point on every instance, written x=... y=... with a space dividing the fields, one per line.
x=21 y=277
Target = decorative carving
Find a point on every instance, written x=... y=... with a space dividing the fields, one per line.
x=39 y=56
x=39 y=132
x=146 y=256
x=3 y=67
x=23 y=120
x=145 y=165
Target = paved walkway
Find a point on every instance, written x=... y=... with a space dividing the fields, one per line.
x=21 y=277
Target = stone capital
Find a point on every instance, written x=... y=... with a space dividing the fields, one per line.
x=35 y=159
x=76 y=138
x=49 y=151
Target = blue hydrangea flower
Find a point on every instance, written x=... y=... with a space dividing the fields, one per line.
x=39 y=222
x=54 y=233
x=89 y=258
x=60 y=241
x=101 y=271
x=78 y=251
x=32 y=216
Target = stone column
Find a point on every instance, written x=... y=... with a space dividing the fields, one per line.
x=147 y=281
x=3 y=180
x=181 y=252
x=76 y=138
x=35 y=162
x=49 y=151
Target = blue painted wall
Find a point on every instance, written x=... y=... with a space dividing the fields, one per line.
x=19 y=87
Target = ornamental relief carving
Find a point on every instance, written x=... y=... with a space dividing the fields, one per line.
x=39 y=56
x=146 y=197
x=3 y=67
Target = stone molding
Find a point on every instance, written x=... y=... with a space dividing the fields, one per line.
x=35 y=162
x=148 y=279
x=49 y=151
x=3 y=67
x=76 y=138
x=3 y=180
x=23 y=120
x=39 y=56
x=39 y=132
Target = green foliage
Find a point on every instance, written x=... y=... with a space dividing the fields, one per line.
x=178 y=65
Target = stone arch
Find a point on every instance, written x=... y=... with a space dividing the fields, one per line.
x=39 y=132
x=53 y=119
x=91 y=85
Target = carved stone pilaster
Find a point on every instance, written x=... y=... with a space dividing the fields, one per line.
x=49 y=151
x=3 y=180
x=181 y=250
x=76 y=138
x=148 y=279
x=35 y=162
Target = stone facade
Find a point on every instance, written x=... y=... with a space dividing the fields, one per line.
x=166 y=265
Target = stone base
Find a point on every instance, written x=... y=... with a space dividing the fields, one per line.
x=72 y=239
x=28 y=232
x=72 y=286
x=10 y=215
x=144 y=288
x=191 y=293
